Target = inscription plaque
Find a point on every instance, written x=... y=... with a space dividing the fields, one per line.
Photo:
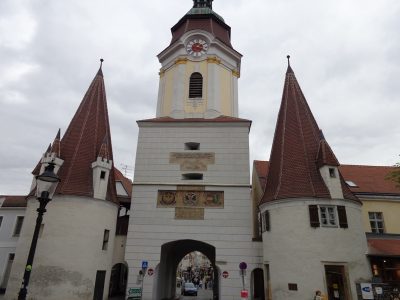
x=183 y=213
x=192 y=161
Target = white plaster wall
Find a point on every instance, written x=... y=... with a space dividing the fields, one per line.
x=229 y=229
x=228 y=142
x=297 y=253
x=119 y=249
x=8 y=242
x=69 y=251
x=332 y=183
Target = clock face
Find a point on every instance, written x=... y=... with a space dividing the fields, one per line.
x=197 y=47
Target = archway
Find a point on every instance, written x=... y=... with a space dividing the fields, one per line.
x=257 y=279
x=118 y=280
x=171 y=254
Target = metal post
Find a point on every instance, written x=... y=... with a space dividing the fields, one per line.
x=28 y=268
x=143 y=271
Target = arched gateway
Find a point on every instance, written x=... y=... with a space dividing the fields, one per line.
x=171 y=254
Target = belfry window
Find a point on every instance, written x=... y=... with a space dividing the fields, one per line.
x=196 y=86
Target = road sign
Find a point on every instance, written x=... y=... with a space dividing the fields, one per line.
x=242 y=266
x=244 y=294
x=145 y=264
x=135 y=292
x=225 y=274
x=150 y=272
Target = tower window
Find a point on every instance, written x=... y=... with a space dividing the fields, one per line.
x=192 y=176
x=106 y=236
x=332 y=173
x=192 y=146
x=18 y=226
x=196 y=86
x=102 y=175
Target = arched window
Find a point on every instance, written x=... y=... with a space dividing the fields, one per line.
x=196 y=86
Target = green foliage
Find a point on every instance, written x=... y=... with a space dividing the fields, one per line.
x=395 y=175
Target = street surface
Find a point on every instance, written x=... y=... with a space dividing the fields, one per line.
x=201 y=295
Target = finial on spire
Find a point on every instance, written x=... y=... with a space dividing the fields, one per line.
x=100 y=72
x=289 y=68
x=202 y=3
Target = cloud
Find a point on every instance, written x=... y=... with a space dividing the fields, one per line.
x=344 y=54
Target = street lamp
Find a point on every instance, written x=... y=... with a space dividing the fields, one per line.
x=45 y=187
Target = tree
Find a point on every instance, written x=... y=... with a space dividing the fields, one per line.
x=395 y=175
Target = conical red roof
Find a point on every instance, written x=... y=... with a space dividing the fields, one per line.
x=82 y=142
x=325 y=156
x=293 y=170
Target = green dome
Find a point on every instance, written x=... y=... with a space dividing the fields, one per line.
x=204 y=11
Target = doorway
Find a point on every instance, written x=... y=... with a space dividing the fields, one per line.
x=172 y=254
x=336 y=282
x=258 y=290
x=118 y=280
x=99 y=285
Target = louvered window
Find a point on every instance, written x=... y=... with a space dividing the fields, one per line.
x=196 y=86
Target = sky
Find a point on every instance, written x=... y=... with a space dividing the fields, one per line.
x=345 y=55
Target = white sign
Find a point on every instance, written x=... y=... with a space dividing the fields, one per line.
x=366 y=291
x=379 y=290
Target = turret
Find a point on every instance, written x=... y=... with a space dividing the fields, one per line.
x=101 y=171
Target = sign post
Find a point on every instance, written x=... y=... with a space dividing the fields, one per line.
x=243 y=267
x=142 y=272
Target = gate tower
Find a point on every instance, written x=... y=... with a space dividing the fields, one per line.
x=191 y=183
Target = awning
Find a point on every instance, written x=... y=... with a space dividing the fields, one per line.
x=384 y=247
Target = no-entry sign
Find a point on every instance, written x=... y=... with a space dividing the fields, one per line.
x=225 y=274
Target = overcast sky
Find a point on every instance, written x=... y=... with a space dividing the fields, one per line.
x=345 y=53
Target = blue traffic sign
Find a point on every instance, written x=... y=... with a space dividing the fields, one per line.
x=145 y=264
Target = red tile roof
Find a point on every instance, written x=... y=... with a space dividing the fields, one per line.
x=370 y=179
x=82 y=142
x=293 y=170
x=261 y=167
x=383 y=247
x=206 y=22
x=126 y=182
x=14 y=201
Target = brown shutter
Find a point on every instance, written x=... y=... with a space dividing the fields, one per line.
x=267 y=225
x=314 y=217
x=342 y=217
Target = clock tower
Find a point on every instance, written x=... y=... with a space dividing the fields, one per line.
x=199 y=69
x=191 y=188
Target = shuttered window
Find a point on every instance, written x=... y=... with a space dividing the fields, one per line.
x=314 y=217
x=196 y=86
x=342 y=217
